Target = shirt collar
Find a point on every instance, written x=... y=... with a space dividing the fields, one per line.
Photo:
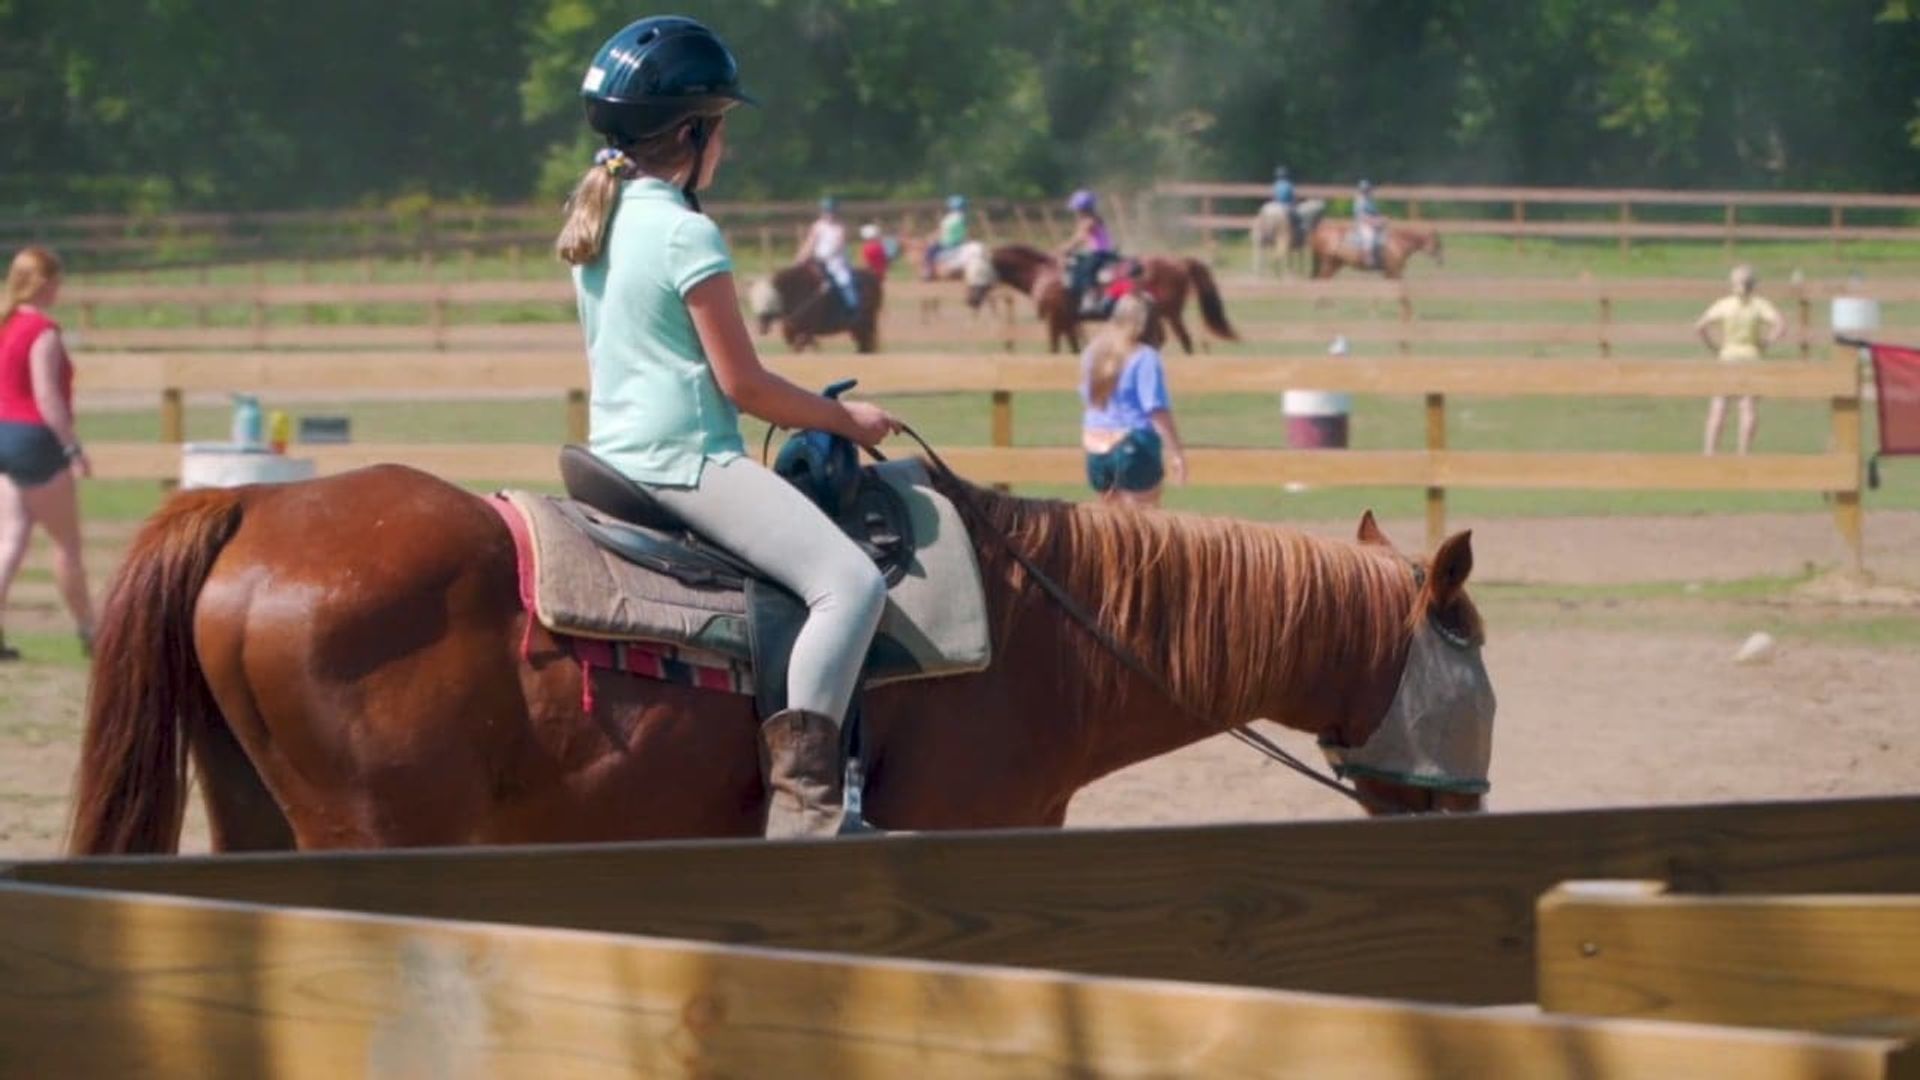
x=652 y=187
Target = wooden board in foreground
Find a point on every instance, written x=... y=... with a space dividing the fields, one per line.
x=1830 y=963
x=112 y=984
x=1437 y=909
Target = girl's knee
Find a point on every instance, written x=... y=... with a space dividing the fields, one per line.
x=860 y=587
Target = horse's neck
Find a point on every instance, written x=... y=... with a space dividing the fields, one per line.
x=1126 y=718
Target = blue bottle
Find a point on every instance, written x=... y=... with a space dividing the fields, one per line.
x=249 y=427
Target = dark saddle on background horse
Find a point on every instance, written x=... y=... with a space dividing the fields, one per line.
x=613 y=564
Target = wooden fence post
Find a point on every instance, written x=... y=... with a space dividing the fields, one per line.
x=1804 y=304
x=173 y=425
x=1212 y=243
x=202 y=315
x=1626 y=221
x=1002 y=425
x=1606 y=325
x=1436 y=496
x=576 y=415
x=1406 y=321
x=1520 y=225
x=1838 y=220
x=1732 y=221
x=1847 y=514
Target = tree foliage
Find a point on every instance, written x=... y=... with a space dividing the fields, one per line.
x=272 y=103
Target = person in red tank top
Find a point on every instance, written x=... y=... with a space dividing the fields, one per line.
x=39 y=451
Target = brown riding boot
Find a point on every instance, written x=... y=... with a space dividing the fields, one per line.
x=801 y=761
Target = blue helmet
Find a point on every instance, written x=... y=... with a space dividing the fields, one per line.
x=1083 y=201
x=1366 y=185
x=1280 y=173
x=829 y=204
x=657 y=73
x=956 y=202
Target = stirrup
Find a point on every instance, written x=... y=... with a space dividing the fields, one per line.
x=853 y=822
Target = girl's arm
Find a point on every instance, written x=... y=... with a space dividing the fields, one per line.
x=46 y=361
x=715 y=310
x=806 y=244
x=1081 y=228
x=1162 y=420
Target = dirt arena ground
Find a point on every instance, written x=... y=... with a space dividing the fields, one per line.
x=1612 y=645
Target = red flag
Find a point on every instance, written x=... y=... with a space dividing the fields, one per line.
x=1896 y=378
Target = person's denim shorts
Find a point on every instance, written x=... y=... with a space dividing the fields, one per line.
x=1134 y=464
x=29 y=453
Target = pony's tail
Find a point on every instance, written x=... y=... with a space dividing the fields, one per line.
x=130 y=790
x=1212 y=310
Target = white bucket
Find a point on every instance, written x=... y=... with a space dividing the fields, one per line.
x=220 y=465
x=1855 y=315
x=1315 y=403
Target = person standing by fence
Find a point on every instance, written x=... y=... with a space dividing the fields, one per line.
x=1128 y=430
x=39 y=452
x=1747 y=325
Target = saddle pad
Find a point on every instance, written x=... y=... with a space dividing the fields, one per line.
x=935 y=622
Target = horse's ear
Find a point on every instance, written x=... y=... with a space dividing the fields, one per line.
x=1370 y=531
x=1451 y=565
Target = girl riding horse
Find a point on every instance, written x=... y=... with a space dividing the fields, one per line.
x=672 y=365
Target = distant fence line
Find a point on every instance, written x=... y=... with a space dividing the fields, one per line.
x=921 y=313
x=1627 y=207
x=442 y=231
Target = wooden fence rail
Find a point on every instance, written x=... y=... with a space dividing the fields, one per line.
x=115 y=984
x=1831 y=963
x=1432 y=909
x=1434 y=467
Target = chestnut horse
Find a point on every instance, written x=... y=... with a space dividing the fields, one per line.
x=347 y=663
x=1167 y=280
x=808 y=307
x=1332 y=245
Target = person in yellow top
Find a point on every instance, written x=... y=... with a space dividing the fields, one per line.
x=1747 y=325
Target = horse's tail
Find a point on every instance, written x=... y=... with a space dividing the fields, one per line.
x=130 y=791
x=1212 y=310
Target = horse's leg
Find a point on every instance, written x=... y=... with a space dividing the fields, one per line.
x=241 y=813
x=1180 y=329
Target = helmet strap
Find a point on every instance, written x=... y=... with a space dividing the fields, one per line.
x=699 y=131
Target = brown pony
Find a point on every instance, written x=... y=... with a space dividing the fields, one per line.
x=1168 y=280
x=347 y=663
x=1332 y=248
x=807 y=307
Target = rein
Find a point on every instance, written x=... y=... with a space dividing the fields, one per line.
x=1119 y=651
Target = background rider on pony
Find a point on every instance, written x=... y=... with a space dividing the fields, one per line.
x=1088 y=250
x=1369 y=226
x=826 y=245
x=947 y=240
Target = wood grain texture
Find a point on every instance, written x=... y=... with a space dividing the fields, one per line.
x=1431 y=909
x=1829 y=963
x=102 y=984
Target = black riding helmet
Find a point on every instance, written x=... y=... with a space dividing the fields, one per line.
x=656 y=74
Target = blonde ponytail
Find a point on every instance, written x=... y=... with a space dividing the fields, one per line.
x=32 y=269
x=594 y=198
x=589 y=209
x=1113 y=345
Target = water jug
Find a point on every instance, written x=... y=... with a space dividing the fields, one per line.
x=248 y=424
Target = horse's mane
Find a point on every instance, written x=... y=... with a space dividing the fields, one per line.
x=1026 y=254
x=1225 y=610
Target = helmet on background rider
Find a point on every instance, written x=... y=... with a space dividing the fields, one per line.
x=1366 y=186
x=657 y=73
x=829 y=204
x=1280 y=172
x=1083 y=201
x=956 y=202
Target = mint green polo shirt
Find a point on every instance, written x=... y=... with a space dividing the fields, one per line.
x=656 y=412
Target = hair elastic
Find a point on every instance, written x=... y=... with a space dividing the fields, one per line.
x=612 y=159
